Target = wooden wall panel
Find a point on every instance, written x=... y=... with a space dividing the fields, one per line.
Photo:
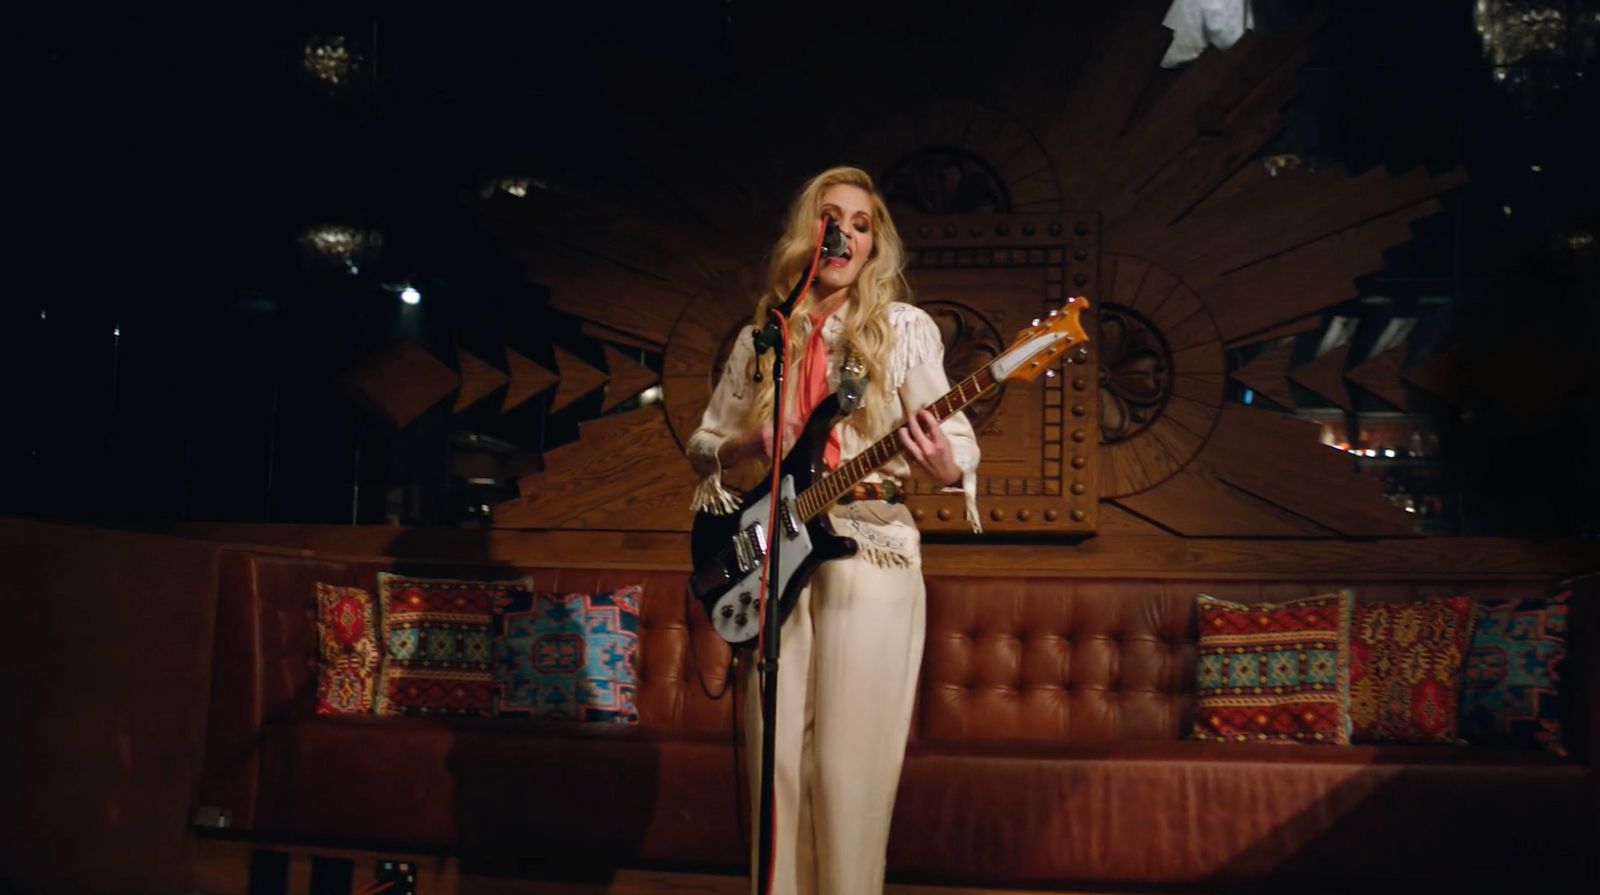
x=1282 y=461
x=1381 y=376
x=629 y=474
x=1198 y=503
x=1325 y=377
x=1160 y=556
x=109 y=677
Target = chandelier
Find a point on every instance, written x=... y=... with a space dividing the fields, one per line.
x=339 y=246
x=1534 y=41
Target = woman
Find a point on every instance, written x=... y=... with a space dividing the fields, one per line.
x=853 y=643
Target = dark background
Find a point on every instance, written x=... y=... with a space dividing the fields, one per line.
x=171 y=348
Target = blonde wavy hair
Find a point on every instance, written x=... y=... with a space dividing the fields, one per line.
x=866 y=318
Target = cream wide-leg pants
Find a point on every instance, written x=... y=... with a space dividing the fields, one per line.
x=847 y=675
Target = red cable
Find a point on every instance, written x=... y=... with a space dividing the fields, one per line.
x=779 y=405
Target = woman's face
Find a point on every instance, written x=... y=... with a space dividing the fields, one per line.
x=851 y=206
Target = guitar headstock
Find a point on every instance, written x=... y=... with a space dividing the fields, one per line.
x=1039 y=346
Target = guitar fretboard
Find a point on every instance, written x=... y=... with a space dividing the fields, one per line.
x=828 y=489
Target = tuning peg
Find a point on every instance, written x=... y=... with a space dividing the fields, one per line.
x=1054 y=311
x=1035 y=321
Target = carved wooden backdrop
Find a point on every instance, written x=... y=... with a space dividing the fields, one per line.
x=1063 y=165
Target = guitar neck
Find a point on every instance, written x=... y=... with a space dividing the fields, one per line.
x=827 y=490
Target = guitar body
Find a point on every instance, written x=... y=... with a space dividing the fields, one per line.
x=727 y=550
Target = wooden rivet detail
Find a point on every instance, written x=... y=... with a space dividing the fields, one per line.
x=1055 y=228
x=1079 y=462
x=1079 y=435
x=1079 y=487
x=1080 y=255
x=950 y=230
x=1002 y=229
x=1079 y=410
x=944 y=514
x=919 y=514
x=1079 y=385
x=1050 y=515
x=924 y=231
x=1079 y=515
x=1027 y=229
x=1024 y=515
x=1080 y=280
x=1081 y=229
x=997 y=514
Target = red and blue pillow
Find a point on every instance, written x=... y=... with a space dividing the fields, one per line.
x=1274 y=672
x=347 y=641
x=1510 y=688
x=437 y=644
x=570 y=657
x=1405 y=669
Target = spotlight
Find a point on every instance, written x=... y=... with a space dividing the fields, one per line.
x=411 y=296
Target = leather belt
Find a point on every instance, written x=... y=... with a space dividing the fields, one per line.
x=888 y=492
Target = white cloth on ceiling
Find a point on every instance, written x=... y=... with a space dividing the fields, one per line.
x=1197 y=24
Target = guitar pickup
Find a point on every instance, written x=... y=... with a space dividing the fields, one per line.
x=749 y=546
x=791 y=522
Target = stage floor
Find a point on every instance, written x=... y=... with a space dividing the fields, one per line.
x=223 y=868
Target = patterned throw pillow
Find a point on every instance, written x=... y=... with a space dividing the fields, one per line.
x=1510 y=686
x=347 y=640
x=1405 y=669
x=436 y=644
x=1275 y=672
x=568 y=656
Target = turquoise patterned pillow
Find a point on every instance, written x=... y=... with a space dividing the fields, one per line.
x=1510 y=685
x=567 y=657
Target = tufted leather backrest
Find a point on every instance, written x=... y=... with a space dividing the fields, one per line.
x=1091 y=659
x=1006 y=658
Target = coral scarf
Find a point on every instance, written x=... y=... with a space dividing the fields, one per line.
x=812 y=387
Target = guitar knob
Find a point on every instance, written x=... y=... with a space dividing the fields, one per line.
x=744 y=599
x=741 y=619
x=727 y=611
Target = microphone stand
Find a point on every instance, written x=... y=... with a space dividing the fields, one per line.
x=769 y=337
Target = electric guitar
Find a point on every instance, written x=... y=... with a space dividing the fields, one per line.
x=728 y=549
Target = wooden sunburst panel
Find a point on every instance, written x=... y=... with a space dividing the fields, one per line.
x=1161 y=375
x=1191 y=249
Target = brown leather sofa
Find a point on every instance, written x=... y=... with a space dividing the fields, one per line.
x=1048 y=749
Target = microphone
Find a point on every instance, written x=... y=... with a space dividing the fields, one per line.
x=833 y=246
x=833 y=240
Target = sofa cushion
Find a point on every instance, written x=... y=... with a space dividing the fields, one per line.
x=1405 y=669
x=1511 y=684
x=347 y=637
x=567 y=656
x=491 y=790
x=437 y=644
x=1274 y=672
x=1154 y=815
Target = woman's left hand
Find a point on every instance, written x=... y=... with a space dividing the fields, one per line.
x=926 y=444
